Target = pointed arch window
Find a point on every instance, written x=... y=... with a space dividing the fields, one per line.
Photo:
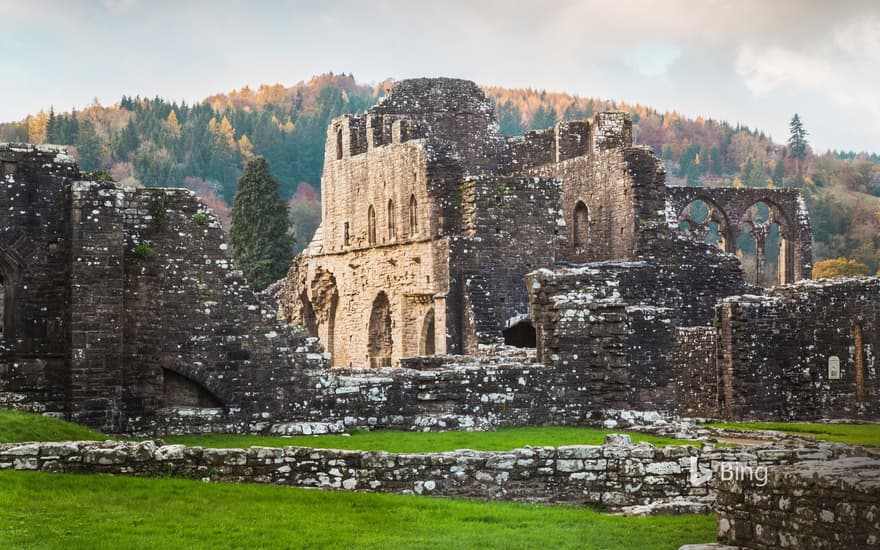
x=413 y=215
x=392 y=226
x=371 y=225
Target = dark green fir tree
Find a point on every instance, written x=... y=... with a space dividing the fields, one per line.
x=261 y=241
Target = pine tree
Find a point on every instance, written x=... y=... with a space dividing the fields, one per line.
x=797 y=143
x=88 y=146
x=261 y=241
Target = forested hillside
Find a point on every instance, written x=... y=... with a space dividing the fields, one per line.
x=204 y=146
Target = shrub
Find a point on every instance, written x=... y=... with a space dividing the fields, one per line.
x=144 y=251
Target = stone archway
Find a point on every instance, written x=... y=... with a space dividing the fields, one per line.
x=768 y=227
x=380 y=346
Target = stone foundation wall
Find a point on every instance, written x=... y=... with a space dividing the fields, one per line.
x=615 y=474
x=817 y=505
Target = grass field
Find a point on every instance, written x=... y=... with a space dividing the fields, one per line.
x=93 y=511
x=18 y=426
x=855 y=434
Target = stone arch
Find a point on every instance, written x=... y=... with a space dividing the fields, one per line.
x=179 y=390
x=520 y=335
x=773 y=227
x=580 y=225
x=700 y=228
x=413 y=215
x=371 y=225
x=428 y=334
x=380 y=346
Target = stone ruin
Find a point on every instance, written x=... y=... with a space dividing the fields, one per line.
x=459 y=279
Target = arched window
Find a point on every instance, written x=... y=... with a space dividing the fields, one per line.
x=371 y=225
x=338 y=143
x=392 y=229
x=413 y=215
x=580 y=225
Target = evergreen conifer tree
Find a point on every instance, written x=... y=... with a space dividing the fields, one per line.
x=261 y=242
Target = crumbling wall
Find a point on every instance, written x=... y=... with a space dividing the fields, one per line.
x=777 y=352
x=510 y=226
x=609 y=349
x=34 y=274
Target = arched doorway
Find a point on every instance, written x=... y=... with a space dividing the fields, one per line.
x=380 y=342
x=426 y=341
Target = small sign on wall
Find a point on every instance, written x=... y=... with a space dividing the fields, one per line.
x=834 y=368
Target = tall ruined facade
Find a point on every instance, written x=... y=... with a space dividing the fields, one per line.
x=431 y=220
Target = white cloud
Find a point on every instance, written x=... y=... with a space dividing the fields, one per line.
x=841 y=66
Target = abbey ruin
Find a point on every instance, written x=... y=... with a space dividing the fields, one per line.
x=460 y=278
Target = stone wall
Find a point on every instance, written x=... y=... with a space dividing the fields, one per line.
x=35 y=274
x=818 y=505
x=615 y=474
x=776 y=352
x=696 y=373
x=510 y=226
x=111 y=292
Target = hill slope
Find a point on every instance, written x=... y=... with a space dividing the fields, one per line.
x=203 y=147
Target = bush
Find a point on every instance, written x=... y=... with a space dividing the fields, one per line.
x=201 y=219
x=144 y=251
x=839 y=267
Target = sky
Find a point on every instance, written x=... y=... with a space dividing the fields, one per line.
x=755 y=62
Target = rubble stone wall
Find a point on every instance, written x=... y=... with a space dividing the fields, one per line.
x=615 y=474
x=822 y=505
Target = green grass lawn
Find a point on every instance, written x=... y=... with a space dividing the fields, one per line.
x=423 y=442
x=94 y=511
x=16 y=426
x=856 y=434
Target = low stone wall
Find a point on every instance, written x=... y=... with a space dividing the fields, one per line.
x=615 y=474
x=817 y=505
